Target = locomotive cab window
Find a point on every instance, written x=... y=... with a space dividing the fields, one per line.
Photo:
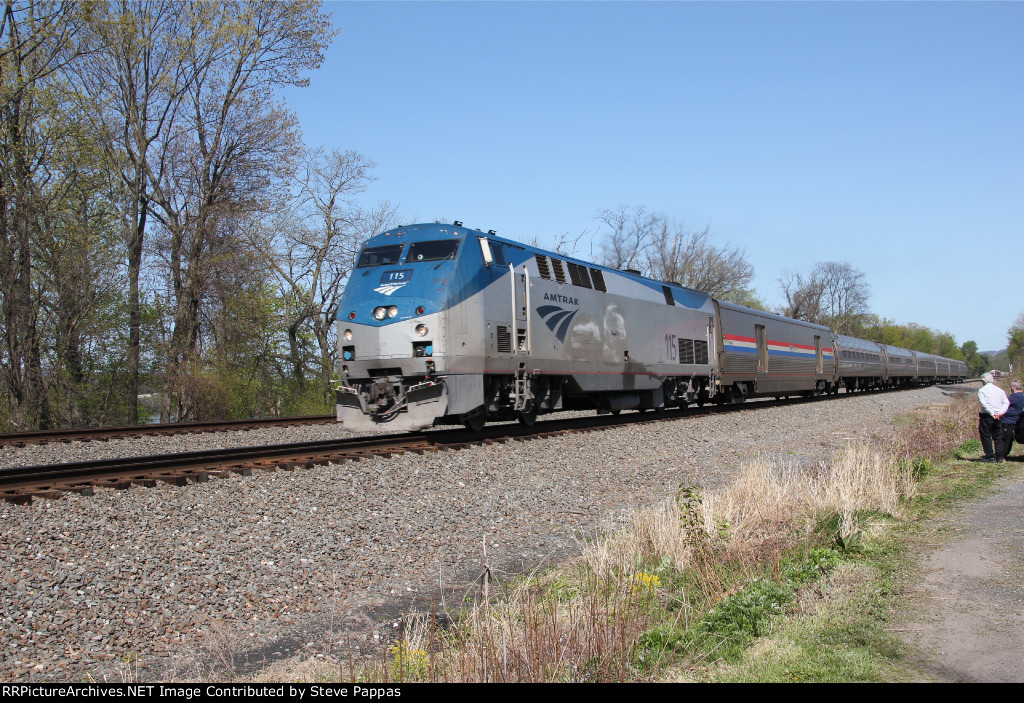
x=380 y=256
x=499 y=255
x=432 y=251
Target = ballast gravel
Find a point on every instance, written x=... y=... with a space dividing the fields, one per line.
x=215 y=579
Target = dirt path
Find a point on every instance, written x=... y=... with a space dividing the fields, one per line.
x=965 y=618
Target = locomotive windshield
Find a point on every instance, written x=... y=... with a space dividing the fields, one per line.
x=380 y=256
x=432 y=251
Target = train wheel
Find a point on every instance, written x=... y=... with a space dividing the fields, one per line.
x=528 y=418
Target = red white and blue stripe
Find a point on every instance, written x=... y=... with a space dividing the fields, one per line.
x=748 y=345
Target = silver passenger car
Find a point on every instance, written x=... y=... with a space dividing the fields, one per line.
x=768 y=355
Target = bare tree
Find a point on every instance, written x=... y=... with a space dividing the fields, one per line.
x=630 y=231
x=690 y=259
x=646 y=241
x=313 y=252
x=834 y=294
x=803 y=296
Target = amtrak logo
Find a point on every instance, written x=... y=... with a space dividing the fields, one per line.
x=557 y=319
x=389 y=288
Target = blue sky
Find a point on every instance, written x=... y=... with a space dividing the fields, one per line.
x=887 y=135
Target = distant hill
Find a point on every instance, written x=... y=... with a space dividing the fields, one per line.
x=1000 y=360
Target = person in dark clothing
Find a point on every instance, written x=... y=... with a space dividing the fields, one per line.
x=1013 y=415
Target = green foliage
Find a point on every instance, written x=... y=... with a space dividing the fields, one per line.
x=919 y=466
x=1015 y=343
x=818 y=562
x=912 y=336
x=657 y=645
x=968 y=448
x=734 y=621
x=850 y=543
x=976 y=363
x=408 y=663
x=739 y=618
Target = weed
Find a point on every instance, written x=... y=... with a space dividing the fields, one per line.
x=850 y=543
x=739 y=618
x=968 y=448
x=408 y=663
x=645 y=584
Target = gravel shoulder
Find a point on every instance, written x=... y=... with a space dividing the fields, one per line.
x=965 y=618
x=211 y=579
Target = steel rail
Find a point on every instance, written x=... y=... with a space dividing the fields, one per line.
x=20 y=439
x=23 y=483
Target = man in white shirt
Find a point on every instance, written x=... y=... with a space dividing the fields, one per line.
x=993 y=404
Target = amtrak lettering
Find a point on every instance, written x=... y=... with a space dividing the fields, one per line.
x=555 y=297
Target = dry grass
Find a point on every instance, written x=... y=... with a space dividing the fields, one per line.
x=572 y=628
x=770 y=507
x=935 y=430
x=582 y=623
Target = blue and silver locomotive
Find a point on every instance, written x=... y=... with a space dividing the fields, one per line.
x=441 y=324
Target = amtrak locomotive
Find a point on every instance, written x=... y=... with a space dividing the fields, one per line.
x=441 y=324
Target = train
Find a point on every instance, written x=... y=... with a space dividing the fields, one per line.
x=442 y=324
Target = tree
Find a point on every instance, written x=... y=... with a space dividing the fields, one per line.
x=1015 y=343
x=132 y=86
x=659 y=248
x=690 y=259
x=313 y=252
x=976 y=363
x=833 y=294
x=233 y=147
x=37 y=40
x=630 y=231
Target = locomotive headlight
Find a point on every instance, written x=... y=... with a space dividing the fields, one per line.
x=380 y=313
x=422 y=330
x=348 y=335
x=392 y=311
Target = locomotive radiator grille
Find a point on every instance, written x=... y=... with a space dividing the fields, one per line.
x=559 y=271
x=579 y=275
x=693 y=351
x=542 y=266
x=504 y=340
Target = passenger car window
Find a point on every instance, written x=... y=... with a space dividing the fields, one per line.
x=380 y=256
x=432 y=251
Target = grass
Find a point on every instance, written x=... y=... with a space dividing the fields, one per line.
x=789 y=573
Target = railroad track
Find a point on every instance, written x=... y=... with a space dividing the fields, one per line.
x=23 y=484
x=87 y=434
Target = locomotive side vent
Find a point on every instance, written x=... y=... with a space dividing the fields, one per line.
x=542 y=266
x=598 y=277
x=504 y=340
x=685 y=351
x=579 y=275
x=559 y=271
x=700 y=351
